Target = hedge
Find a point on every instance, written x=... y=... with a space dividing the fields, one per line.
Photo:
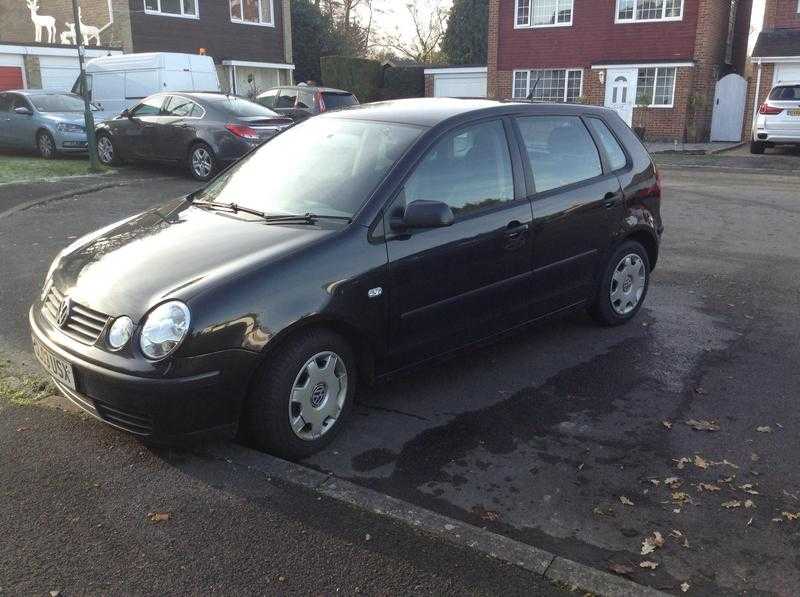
x=370 y=81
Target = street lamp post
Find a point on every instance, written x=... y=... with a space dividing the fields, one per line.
x=94 y=163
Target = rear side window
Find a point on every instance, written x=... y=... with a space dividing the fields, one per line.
x=181 y=107
x=334 y=101
x=268 y=99
x=306 y=99
x=786 y=93
x=616 y=155
x=560 y=150
x=5 y=102
x=470 y=170
x=287 y=98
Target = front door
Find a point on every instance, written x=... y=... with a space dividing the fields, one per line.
x=139 y=132
x=450 y=286
x=621 y=92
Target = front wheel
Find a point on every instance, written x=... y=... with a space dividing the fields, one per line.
x=624 y=285
x=106 y=152
x=46 y=145
x=303 y=395
x=202 y=163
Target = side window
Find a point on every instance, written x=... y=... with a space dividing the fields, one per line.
x=616 y=156
x=560 y=151
x=149 y=107
x=268 y=99
x=17 y=101
x=5 y=102
x=286 y=98
x=179 y=107
x=470 y=170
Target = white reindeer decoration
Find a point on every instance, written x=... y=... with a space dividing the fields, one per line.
x=41 y=22
x=68 y=37
x=88 y=31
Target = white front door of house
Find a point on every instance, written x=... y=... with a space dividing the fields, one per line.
x=621 y=92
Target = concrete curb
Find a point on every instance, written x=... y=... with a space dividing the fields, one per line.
x=76 y=193
x=548 y=565
x=726 y=149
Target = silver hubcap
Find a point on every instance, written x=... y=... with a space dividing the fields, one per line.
x=105 y=150
x=202 y=162
x=627 y=284
x=46 y=145
x=318 y=395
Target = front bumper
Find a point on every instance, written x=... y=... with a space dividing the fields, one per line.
x=71 y=142
x=196 y=396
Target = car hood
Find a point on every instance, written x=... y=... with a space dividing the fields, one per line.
x=173 y=252
x=71 y=117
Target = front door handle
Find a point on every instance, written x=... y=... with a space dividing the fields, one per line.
x=515 y=229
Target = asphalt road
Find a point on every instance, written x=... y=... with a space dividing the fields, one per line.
x=539 y=436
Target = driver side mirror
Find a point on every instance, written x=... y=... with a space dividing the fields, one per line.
x=24 y=111
x=424 y=214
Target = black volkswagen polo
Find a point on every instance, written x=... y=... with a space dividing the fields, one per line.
x=347 y=248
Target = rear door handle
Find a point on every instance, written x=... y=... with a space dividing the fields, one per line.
x=515 y=229
x=611 y=199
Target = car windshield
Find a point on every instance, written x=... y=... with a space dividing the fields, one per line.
x=324 y=166
x=334 y=101
x=238 y=106
x=62 y=102
x=786 y=93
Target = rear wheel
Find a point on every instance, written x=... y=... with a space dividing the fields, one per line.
x=202 y=163
x=303 y=395
x=624 y=285
x=106 y=151
x=757 y=147
x=46 y=145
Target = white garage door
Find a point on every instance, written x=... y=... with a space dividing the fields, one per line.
x=59 y=72
x=460 y=85
x=787 y=72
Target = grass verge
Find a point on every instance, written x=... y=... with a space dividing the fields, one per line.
x=20 y=169
x=24 y=389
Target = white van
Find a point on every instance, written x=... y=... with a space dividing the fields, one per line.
x=122 y=81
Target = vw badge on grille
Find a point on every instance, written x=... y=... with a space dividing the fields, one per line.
x=63 y=312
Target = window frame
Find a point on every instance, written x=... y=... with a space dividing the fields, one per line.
x=652 y=103
x=530 y=24
x=165 y=106
x=634 y=19
x=260 y=23
x=183 y=14
x=567 y=71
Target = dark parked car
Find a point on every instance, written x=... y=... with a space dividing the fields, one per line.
x=303 y=101
x=347 y=248
x=203 y=131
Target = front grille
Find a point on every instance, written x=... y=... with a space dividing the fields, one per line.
x=83 y=324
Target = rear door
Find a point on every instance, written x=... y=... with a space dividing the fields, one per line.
x=176 y=128
x=451 y=286
x=576 y=202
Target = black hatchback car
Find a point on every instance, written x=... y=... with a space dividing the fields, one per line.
x=304 y=101
x=203 y=131
x=408 y=230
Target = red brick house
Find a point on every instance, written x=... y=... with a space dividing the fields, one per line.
x=776 y=55
x=654 y=61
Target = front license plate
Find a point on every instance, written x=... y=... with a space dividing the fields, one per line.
x=794 y=112
x=58 y=368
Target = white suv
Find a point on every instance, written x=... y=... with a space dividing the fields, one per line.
x=778 y=121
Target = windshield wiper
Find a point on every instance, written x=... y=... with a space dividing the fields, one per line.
x=308 y=218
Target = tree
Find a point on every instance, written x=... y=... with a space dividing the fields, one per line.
x=428 y=26
x=465 y=41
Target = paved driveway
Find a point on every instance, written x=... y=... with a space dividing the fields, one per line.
x=541 y=435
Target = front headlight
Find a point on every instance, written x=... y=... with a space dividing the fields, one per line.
x=163 y=329
x=68 y=127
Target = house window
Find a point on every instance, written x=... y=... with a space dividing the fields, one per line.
x=548 y=85
x=544 y=13
x=656 y=87
x=252 y=12
x=172 y=8
x=649 y=10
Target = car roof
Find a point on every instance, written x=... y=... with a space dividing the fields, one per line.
x=432 y=111
x=312 y=88
x=38 y=92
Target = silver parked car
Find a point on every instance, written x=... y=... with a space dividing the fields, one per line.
x=46 y=121
x=778 y=121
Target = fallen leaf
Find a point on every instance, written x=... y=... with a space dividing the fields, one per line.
x=791 y=516
x=700 y=391
x=655 y=482
x=625 y=500
x=702 y=425
x=620 y=569
x=749 y=504
x=726 y=479
x=672 y=481
x=600 y=511
x=732 y=504
x=681 y=497
x=682 y=462
x=764 y=429
x=20 y=429
x=749 y=522
x=367 y=537
x=700 y=462
x=748 y=488
x=667 y=424
x=685 y=587
x=651 y=543
x=158 y=516
x=724 y=463
x=490 y=515
x=708 y=487
x=648 y=564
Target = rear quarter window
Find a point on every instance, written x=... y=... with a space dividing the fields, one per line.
x=616 y=155
x=334 y=101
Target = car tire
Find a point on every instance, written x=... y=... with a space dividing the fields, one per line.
x=46 y=145
x=302 y=395
x=757 y=147
x=623 y=287
x=202 y=162
x=106 y=151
